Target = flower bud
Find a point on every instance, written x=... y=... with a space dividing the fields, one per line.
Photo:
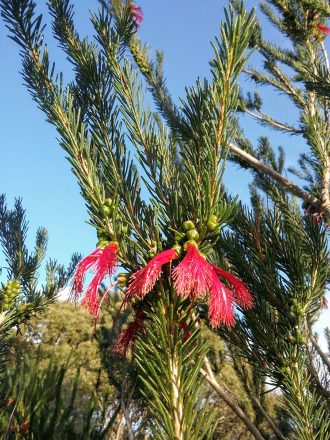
x=188 y=225
x=106 y=210
x=102 y=244
x=108 y=202
x=192 y=234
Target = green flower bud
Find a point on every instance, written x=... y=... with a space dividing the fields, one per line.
x=106 y=210
x=212 y=226
x=102 y=235
x=213 y=218
x=108 y=202
x=192 y=234
x=188 y=225
x=151 y=253
x=124 y=229
x=102 y=244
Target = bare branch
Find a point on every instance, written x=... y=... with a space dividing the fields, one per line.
x=209 y=376
x=266 y=119
x=321 y=205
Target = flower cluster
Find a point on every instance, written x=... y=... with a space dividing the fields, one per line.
x=194 y=277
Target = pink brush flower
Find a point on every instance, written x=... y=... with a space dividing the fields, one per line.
x=127 y=337
x=220 y=304
x=241 y=292
x=102 y=262
x=323 y=29
x=83 y=266
x=193 y=276
x=137 y=14
x=144 y=279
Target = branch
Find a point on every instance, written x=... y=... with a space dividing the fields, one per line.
x=323 y=356
x=266 y=119
x=209 y=376
x=267 y=417
x=322 y=206
x=125 y=412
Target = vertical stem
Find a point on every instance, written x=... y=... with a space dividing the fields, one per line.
x=173 y=362
x=176 y=401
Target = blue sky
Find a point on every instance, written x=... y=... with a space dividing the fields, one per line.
x=33 y=165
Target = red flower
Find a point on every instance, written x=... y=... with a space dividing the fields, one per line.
x=323 y=28
x=193 y=276
x=128 y=336
x=241 y=293
x=137 y=14
x=102 y=262
x=220 y=304
x=144 y=279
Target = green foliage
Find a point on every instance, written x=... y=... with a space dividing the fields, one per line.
x=171 y=340
x=20 y=295
x=35 y=404
x=65 y=335
x=102 y=118
x=285 y=261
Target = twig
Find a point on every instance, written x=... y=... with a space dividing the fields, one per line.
x=209 y=376
x=323 y=356
x=276 y=124
x=283 y=181
x=124 y=410
x=267 y=417
x=11 y=417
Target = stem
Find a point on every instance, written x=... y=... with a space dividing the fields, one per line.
x=173 y=363
x=267 y=417
x=125 y=413
x=176 y=401
x=276 y=124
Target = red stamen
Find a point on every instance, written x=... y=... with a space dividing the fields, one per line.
x=193 y=276
x=221 y=304
x=127 y=337
x=241 y=292
x=324 y=29
x=102 y=262
x=144 y=279
x=137 y=14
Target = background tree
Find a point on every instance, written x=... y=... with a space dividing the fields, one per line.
x=20 y=295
